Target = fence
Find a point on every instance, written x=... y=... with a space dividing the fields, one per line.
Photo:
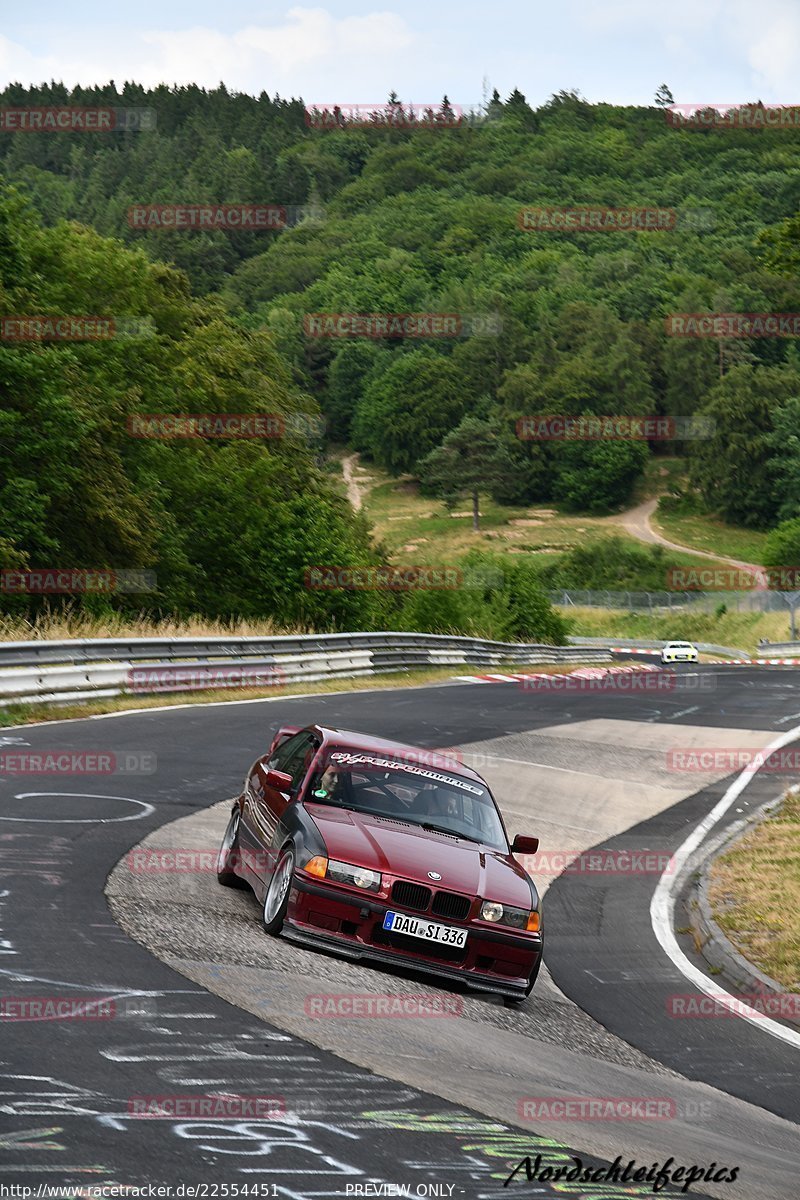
x=743 y=601
x=644 y=644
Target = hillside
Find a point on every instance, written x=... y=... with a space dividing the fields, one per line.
x=446 y=222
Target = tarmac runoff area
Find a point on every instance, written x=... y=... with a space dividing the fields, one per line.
x=574 y=784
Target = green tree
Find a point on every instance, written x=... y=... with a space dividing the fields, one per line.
x=463 y=465
x=407 y=410
x=782 y=548
x=784 y=445
x=732 y=467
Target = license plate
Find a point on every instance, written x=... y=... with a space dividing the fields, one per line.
x=426 y=931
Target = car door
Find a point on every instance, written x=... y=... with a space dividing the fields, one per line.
x=251 y=827
x=269 y=802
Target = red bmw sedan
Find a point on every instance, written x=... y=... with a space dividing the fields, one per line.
x=376 y=850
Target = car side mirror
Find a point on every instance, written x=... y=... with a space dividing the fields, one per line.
x=279 y=780
x=524 y=845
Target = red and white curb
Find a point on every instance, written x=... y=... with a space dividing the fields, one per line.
x=602 y=672
x=580 y=673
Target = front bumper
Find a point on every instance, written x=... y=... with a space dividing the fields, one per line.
x=665 y=658
x=322 y=915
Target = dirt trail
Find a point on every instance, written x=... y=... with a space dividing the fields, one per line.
x=349 y=463
x=636 y=522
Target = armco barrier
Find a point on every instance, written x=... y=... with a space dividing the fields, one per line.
x=62 y=671
x=779 y=649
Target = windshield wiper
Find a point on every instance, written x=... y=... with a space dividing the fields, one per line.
x=451 y=833
x=312 y=799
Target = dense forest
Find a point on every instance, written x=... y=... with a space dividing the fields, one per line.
x=409 y=217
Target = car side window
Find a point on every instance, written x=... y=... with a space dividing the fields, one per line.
x=286 y=749
x=294 y=756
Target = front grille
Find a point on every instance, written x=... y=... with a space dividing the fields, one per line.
x=401 y=941
x=411 y=895
x=449 y=904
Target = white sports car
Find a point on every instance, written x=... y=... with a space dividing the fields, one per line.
x=679 y=652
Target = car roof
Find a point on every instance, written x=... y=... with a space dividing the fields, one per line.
x=362 y=741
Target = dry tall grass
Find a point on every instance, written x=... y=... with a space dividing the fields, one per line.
x=64 y=625
x=755 y=894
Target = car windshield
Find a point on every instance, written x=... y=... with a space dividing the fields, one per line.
x=411 y=792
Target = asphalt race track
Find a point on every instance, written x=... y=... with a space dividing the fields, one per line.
x=425 y=1105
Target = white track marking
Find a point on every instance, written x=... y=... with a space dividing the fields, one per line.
x=662 y=906
x=148 y=809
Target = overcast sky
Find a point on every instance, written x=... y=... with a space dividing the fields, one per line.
x=613 y=50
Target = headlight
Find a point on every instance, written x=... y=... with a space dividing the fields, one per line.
x=360 y=877
x=502 y=914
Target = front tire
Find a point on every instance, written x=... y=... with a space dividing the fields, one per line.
x=229 y=852
x=276 y=901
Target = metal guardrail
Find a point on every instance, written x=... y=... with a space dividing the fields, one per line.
x=63 y=671
x=778 y=649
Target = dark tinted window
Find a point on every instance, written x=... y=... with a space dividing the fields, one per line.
x=412 y=793
x=295 y=755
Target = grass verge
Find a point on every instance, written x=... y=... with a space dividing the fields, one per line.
x=417 y=529
x=754 y=891
x=739 y=630
x=705 y=532
x=65 y=625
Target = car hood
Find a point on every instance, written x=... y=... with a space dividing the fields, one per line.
x=409 y=852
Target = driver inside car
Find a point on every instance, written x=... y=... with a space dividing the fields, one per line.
x=331 y=786
x=443 y=804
